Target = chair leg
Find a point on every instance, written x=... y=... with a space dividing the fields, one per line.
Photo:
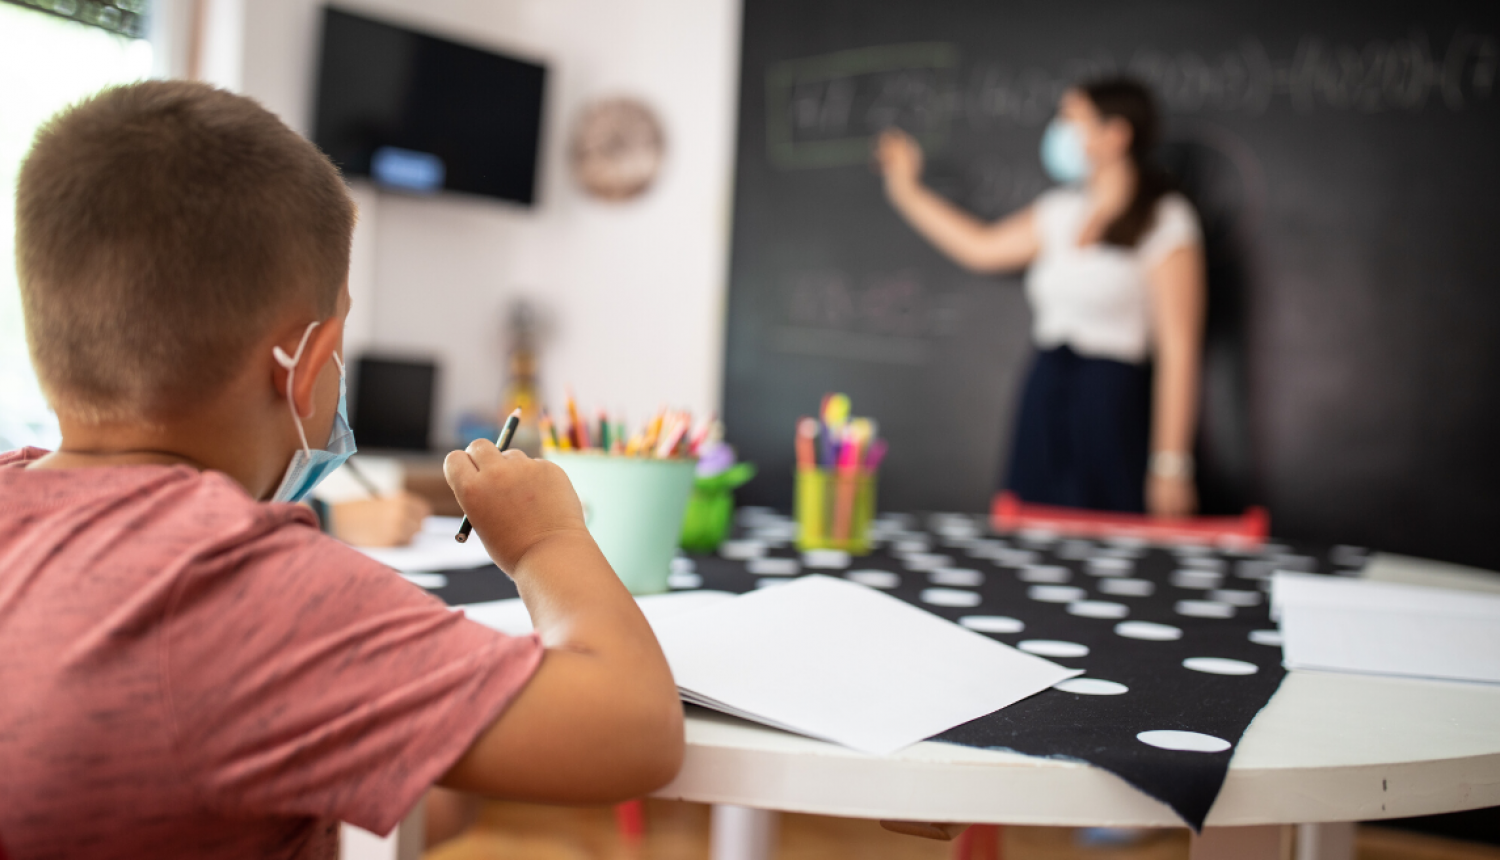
x=979 y=842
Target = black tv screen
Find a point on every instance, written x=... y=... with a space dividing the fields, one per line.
x=421 y=114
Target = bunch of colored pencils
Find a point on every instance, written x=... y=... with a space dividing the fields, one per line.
x=834 y=440
x=849 y=449
x=669 y=434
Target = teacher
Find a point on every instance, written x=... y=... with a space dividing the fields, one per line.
x=1114 y=261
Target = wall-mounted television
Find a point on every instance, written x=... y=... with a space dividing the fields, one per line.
x=422 y=114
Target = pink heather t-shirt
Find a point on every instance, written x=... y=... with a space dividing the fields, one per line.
x=186 y=672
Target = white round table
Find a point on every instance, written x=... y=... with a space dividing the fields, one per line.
x=1327 y=748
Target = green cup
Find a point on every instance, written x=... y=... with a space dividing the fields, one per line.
x=633 y=508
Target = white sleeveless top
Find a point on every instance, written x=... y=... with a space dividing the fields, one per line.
x=1097 y=299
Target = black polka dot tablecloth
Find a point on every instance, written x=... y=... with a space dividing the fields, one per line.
x=1176 y=643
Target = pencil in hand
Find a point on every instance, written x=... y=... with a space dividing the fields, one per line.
x=506 y=434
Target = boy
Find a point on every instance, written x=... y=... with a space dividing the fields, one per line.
x=189 y=670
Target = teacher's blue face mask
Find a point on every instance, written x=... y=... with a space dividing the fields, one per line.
x=1063 y=155
x=309 y=467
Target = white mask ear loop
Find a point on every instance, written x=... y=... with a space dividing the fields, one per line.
x=290 y=363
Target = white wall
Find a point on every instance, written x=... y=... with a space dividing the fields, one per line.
x=634 y=291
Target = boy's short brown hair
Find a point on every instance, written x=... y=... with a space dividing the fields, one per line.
x=161 y=229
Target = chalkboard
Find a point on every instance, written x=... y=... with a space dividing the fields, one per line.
x=1344 y=166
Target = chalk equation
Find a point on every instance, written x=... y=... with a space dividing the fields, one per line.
x=822 y=111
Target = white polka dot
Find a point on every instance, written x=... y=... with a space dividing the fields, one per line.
x=961 y=577
x=1188 y=550
x=1196 y=579
x=749 y=515
x=1055 y=593
x=683 y=564
x=1038 y=537
x=1014 y=557
x=1148 y=631
x=1098 y=609
x=1076 y=550
x=769 y=581
x=1220 y=666
x=1266 y=637
x=1304 y=563
x=903 y=546
x=686 y=579
x=1053 y=648
x=1204 y=609
x=826 y=559
x=1203 y=562
x=984 y=547
x=1253 y=568
x=1110 y=566
x=927 y=561
x=1128 y=587
x=740 y=550
x=949 y=597
x=1273 y=549
x=1183 y=741
x=779 y=533
x=1235 y=597
x=874 y=578
x=958 y=529
x=1128 y=541
x=1091 y=687
x=773 y=566
x=1045 y=573
x=992 y=623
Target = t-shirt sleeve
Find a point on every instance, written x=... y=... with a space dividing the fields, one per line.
x=305 y=679
x=1176 y=226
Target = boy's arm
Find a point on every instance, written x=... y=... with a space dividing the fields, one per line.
x=600 y=721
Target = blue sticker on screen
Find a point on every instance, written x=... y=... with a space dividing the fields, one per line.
x=407 y=169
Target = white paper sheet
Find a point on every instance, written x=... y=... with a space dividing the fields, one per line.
x=1352 y=625
x=842 y=662
x=510 y=616
x=433 y=549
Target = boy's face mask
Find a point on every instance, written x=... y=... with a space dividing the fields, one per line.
x=309 y=467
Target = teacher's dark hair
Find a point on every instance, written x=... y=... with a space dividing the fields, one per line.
x=1129 y=100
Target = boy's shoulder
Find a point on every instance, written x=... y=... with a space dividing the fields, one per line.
x=142 y=500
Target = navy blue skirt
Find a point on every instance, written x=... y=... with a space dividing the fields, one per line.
x=1083 y=433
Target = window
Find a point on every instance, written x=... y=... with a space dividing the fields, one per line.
x=46 y=63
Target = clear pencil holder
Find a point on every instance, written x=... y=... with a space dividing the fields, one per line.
x=834 y=509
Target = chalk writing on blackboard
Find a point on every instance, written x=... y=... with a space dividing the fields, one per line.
x=882 y=317
x=822 y=111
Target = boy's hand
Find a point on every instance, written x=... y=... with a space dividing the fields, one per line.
x=513 y=501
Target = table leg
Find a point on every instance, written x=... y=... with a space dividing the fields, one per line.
x=1264 y=842
x=742 y=833
x=1325 y=841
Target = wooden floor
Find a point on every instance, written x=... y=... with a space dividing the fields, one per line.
x=679 y=831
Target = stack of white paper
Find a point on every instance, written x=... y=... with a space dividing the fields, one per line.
x=838 y=661
x=1353 y=625
x=827 y=658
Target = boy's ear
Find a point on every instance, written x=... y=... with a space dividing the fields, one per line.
x=318 y=352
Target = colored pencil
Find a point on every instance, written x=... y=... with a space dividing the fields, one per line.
x=507 y=433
